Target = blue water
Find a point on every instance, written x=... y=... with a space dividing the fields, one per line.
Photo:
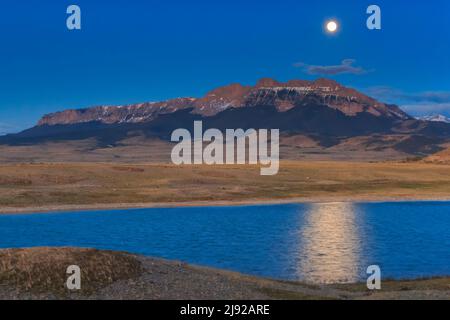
x=329 y=242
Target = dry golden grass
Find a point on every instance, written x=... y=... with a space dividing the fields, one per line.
x=90 y=184
x=43 y=270
x=442 y=157
x=40 y=273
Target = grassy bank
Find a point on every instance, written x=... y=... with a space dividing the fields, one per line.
x=40 y=273
x=43 y=186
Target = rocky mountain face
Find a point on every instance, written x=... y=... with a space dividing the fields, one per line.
x=267 y=92
x=322 y=113
x=134 y=113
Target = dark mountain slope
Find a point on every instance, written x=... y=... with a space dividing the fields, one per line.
x=323 y=110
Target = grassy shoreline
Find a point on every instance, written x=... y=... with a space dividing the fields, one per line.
x=230 y=203
x=82 y=186
x=39 y=273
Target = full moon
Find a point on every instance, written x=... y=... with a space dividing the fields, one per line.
x=332 y=26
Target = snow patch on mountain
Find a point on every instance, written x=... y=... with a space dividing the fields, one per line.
x=434 y=118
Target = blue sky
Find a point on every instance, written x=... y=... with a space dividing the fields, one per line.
x=136 y=51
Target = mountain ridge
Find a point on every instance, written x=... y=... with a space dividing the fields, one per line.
x=434 y=118
x=319 y=117
x=283 y=95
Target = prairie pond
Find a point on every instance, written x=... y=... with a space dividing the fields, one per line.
x=320 y=243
